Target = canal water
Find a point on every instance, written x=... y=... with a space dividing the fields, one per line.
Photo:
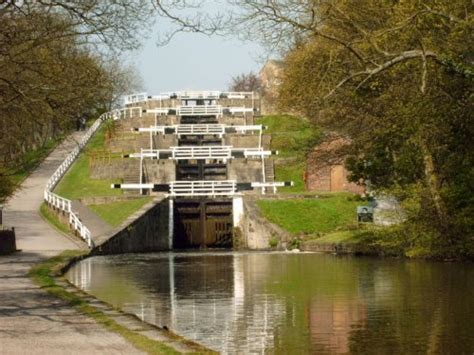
x=292 y=303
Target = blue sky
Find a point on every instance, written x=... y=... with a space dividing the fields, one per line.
x=194 y=62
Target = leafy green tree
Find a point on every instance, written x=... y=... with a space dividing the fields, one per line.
x=394 y=77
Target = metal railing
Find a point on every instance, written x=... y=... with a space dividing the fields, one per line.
x=64 y=204
x=203 y=188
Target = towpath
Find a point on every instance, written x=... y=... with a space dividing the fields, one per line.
x=31 y=320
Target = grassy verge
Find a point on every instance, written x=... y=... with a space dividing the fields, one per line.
x=329 y=213
x=116 y=212
x=45 y=273
x=77 y=182
x=292 y=137
x=53 y=219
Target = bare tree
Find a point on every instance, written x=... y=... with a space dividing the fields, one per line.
x=245 y=82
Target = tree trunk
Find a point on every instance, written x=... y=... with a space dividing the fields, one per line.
x=432 y=182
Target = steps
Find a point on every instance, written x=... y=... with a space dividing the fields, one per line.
x=269 y=173
x=132 y=176
x=269 y=170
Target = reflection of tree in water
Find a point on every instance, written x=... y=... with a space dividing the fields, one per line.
x=307 y=303
x=428 y=309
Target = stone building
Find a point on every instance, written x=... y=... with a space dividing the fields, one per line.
x=270 y=78
x=325 y=169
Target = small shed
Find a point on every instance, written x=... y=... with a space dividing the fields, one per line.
x=325 y=169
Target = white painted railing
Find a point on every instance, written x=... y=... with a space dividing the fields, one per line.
x=199 y=110
x=191 y=95
x=134 y=98
x=200 y=129
x=201 y=152
x=64 y=204
x=57 y=201
x=203 y=188
x=129 y=112
x=234 y=110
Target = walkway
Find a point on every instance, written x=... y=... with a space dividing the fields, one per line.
x=32 y=321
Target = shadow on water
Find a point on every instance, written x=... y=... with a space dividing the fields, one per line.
x=280 y=302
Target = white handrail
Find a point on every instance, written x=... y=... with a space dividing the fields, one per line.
x=189 y=95
x=201 y=152
x=199 y=110
x=64 y=204
x=203 y=188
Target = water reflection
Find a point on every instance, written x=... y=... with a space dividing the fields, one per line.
x=281 y=303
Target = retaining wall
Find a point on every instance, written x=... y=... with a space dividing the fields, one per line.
x=145 y=231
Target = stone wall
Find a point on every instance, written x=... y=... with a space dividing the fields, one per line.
x=241 y=141
x=159 y=171
x=145 y=231
x=244 y=170
x=116 y=169
x=257 y=231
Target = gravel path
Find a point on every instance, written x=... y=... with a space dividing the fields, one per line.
x=32 y=321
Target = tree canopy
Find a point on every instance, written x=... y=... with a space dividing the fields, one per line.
x=396 y=78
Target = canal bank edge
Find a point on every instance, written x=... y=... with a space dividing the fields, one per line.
x=49 y=275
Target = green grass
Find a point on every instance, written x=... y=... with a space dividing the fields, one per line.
x=45 y=273
x=77 y=182
x=331 y=212
x=347 y=237
x=116 y=212
x=291 y=171
x=53 y=219
x=31 y=160
x=293 y=137
x=12 y=175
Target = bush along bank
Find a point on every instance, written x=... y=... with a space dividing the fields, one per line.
x=327 y=222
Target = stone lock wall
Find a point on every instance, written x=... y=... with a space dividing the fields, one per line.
x=148 y=231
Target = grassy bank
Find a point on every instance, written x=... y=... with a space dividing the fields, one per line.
x=45 y=275
x=292 y=137
x=328 y=222
x=116 y=212
x=53 y=219
x=77 y=183
x=327 y=213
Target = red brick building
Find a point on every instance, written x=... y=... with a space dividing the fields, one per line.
x=325 y=169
